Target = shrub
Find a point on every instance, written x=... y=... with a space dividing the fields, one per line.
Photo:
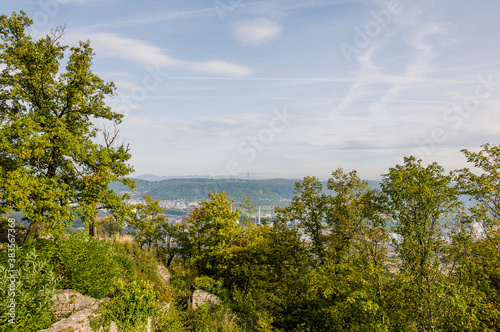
x=35 y=284
x=137 y=263
x=87 y=264
x=130 y=306
x=213 y=319
x=170 y=321
x=208 y=284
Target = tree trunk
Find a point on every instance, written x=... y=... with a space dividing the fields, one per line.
x=29 y=234
x=92 y=226
x=170 y=258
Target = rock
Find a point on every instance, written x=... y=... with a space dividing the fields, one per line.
x=68 y=302
x=201 y=296
x=77 y=322
x=163 y=272
x=78 y=306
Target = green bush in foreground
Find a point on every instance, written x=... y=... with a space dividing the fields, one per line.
x=88 y=264
x=35 y=284
x=213 y=319
x=170 y=321
x=130 y=306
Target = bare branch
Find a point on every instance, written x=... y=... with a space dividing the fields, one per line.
x=109 y=138
x=57 y=33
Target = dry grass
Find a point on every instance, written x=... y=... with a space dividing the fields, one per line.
x=124 y=238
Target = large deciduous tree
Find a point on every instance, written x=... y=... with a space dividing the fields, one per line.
x=483 y=188
x=418 y=198
x=476 y=256
x=51 y=164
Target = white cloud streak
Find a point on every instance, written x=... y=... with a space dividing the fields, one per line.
x=146 y=54
x=155 y=18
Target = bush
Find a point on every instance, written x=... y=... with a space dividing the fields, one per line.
x=130 y=306
x=35 y=284
x=213 y=319
x=170 y=321
x=208 y=284
x=137 y=263
x=87 y=264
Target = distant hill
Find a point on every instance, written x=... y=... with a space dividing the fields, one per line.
x=191 y=189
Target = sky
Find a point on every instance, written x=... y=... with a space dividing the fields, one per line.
x=290 y=88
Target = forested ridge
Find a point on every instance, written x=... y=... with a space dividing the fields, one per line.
x=197 y=188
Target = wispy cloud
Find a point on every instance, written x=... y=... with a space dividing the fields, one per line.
x=65 y=2
x=153 y=18
x=146 y=54
x=257 y=32
x=421 y=37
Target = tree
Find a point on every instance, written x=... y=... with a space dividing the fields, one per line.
x=212 y=229
x=250 y=205
x=484 y=188
x=475 y=256
x=109 y=226
x=417 y=200
x=148 y=217
x=355 y=217
x=51 y=166
x=154 y=230
x=309 y=208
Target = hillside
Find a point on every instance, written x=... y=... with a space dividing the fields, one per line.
x=269 y=190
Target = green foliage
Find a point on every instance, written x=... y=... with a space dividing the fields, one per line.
x=212 y=229
x=171 y=321
x=208 y=284
x=417 y=199
x=35 y=284
x=250 y=205
x=334 y=222
x=154 y=230
x=137 y=263
x=148 y=221
x=182 y=279
x=129 y=307
x=87 y=264
x=48 y=155
x=109 y=226
x=213 y=319
x=483 y=188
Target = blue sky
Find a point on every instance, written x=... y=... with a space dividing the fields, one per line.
x=290 y=88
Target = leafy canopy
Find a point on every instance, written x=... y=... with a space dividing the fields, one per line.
x=51 y=164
